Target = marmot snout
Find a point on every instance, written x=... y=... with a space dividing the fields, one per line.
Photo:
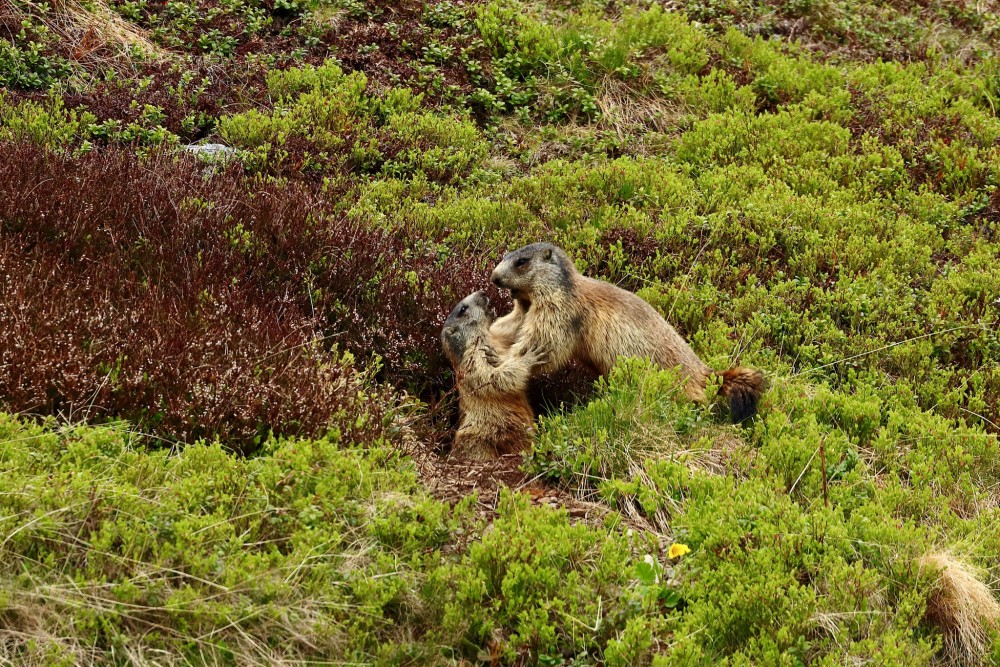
x=464 y=324
x=537 y=269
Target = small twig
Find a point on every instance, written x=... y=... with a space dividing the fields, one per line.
x=890 y=346
x=799 y=478
x=687 y=275
x=822 y=462
x=976 y=414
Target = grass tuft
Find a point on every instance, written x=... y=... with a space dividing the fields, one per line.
x=962 y=606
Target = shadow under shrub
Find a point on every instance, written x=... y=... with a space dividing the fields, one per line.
x=226 y=307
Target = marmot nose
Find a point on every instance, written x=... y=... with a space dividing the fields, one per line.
x=495 y=279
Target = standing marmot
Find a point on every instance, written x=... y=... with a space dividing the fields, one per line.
x=495 y=415
x=571 y=316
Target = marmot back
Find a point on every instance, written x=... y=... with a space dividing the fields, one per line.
x=573 y=316
x=496 y=418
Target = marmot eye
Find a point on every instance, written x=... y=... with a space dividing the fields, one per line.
x=462 y=310
x=521 y=261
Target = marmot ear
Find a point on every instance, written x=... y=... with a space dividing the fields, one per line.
x=547 y=255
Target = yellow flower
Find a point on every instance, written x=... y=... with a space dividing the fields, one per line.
x=678 y=550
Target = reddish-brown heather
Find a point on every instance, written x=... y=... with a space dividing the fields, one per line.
x=198 y=307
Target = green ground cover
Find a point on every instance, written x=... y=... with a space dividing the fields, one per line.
x=216 y=419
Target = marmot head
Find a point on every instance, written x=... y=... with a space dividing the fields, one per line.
x=534 y=270
x=471 y=317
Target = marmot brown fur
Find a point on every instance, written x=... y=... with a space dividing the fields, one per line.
x=495 y=416
x=571 y=316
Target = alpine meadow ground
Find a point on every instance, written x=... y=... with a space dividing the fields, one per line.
x=225 y=413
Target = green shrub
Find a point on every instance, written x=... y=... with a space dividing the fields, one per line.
x=311 y=549
x=440 y=149
x=29 y=67
x=549 y=590
x=805 y=187
x=326 y=122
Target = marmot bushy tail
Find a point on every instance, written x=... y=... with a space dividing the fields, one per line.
x=743 y=387
x=496 y=417
x=572 y=316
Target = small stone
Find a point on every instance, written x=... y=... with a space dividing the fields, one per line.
x=211 y=151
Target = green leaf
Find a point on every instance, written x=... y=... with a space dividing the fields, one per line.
x=670 y=598
x=645 y=573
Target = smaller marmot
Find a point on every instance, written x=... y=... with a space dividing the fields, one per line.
x=496 y=418
x=575 y=317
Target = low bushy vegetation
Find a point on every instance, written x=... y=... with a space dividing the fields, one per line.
x=809 y=529
x=213 y=310
x=220 y=378
x=316 y=550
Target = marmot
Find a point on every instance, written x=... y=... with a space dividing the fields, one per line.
x=572 y=316
x=495 y=416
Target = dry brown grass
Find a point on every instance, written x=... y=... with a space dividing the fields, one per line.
x=91 y=31
x=630 y=112
x=961 y=606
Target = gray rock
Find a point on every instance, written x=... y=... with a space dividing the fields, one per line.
x=211 y=152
